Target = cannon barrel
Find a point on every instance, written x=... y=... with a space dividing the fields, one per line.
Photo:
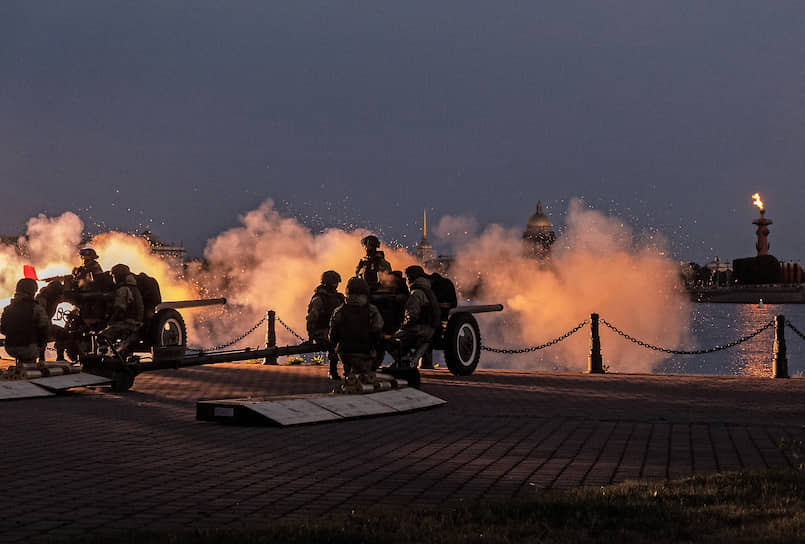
x=179 y=304
x=478 y=308
x=56 y=278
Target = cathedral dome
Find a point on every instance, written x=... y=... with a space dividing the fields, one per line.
x=539 y=220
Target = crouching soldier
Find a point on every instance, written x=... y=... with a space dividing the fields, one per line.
x=25 y=324
x=325 y=300
x=49 y=298
x=127 y=310
x=422 y=317
x=356 y=329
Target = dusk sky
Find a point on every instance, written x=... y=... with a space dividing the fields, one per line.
x=185 y=115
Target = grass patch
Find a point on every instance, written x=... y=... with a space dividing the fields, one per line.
x=751 y=506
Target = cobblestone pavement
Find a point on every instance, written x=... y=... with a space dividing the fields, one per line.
x=93 y=460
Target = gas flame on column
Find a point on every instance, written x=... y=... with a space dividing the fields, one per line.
x=757 y=202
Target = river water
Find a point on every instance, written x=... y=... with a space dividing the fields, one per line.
x=719 y=324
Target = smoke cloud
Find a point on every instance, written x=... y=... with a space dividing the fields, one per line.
x=271 y=262
x=597 y=266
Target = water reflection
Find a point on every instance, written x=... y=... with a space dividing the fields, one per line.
x=719 y=324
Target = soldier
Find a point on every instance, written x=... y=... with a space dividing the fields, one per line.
x=325 y=300
x=356 y=329
x=90 y=264
x=25 y=324
x=390 y=298
x=422 y=317
x=372 y=263
x=49 y=298
x=127 y=309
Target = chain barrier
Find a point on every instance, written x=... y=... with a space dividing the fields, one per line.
x=289 y=329
x=550 y=343
x=293 y=332
x=236 y=340
x=691 y=352
x=556 y=340
x=796 y=330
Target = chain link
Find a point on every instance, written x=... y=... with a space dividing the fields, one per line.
x=796 y=330
x=293 y=332
x=236 y=340
x=289 y=329
x=556 y=340
x=684 y=352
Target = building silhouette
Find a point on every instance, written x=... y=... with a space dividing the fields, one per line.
x=538 y=236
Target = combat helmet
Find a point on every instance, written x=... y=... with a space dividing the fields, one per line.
x=120 y=271
x=331 y=277
x=27 y=286
x=370 y=242
x=414 y=272
x=357 y=286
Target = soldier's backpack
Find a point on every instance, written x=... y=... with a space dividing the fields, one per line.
x=445 y=293
x=149 y=289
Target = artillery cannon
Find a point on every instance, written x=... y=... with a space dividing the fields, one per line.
x=80 y=314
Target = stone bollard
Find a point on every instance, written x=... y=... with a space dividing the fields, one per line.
x=595 y=364
x=780 y=364
x=271 y=336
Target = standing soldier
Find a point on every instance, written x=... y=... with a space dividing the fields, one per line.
x=25 y=324
x=127 y=309
x=422 y=317
x=89 y=259
x=325 y=300
x=356 y=329
x=372 y=263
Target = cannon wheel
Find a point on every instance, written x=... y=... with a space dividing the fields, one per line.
x=462 y=344
x=168 y=329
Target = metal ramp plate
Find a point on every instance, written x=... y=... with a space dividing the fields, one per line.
x=284 y=411
x=404 y=400
x=21 y=389
x=294 y=412
x=68 y=381
x=353 y=405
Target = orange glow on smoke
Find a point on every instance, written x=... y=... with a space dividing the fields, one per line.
x=757 y=202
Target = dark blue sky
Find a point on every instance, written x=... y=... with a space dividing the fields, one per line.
x=667 y=114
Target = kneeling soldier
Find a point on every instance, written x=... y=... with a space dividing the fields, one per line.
x=422 y=316
x=127 y=310
x=25 y=324
x=356 y=329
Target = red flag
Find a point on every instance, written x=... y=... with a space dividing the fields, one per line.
x=29 y=272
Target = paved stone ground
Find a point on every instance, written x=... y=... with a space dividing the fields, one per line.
x=93 y=460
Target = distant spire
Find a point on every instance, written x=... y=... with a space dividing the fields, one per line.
x=539 y=207
x=425 y=228
x=424 y=251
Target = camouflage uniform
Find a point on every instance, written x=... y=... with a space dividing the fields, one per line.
x=374 y=262
x=421 y=318
x=356 y=330
x=324 y=301
x=49 y=298
x=127 y=311
x=25 y=324
x=90 y=270
x=390 y=298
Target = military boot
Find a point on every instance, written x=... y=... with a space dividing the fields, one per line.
x=333 y=374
